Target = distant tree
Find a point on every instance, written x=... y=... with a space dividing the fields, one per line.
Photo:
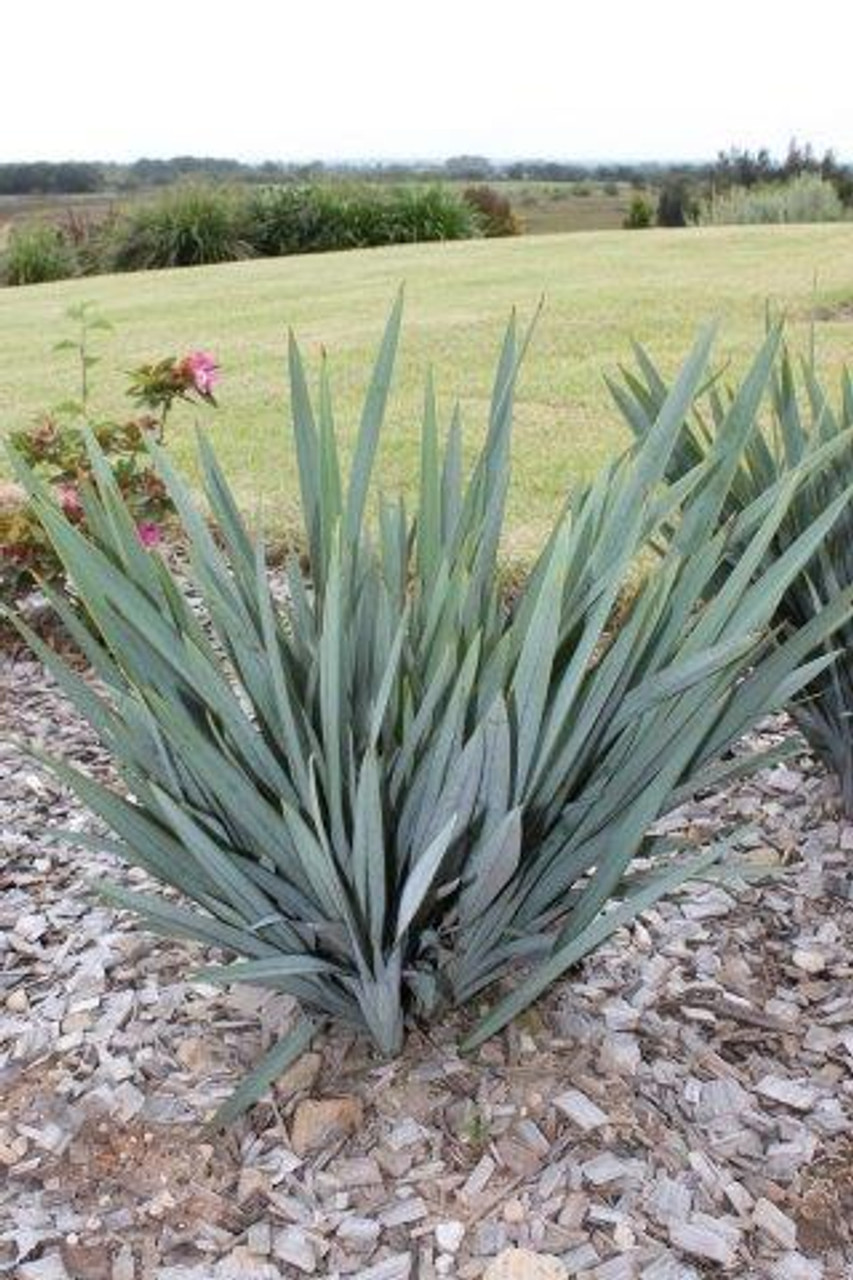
x=639 y=214
x=42 y=177
x=469 y=168
x=677 y=206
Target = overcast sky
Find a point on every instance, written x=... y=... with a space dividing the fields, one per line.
x=280 y=79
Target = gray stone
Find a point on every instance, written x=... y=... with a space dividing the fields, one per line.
x=669 y=1201
x=50 y=1267
x=490 y=1237
x=293 y=1246
x=668 y=1267
x=792 y=1093
x=774 y=1223
x=620 y=1054
x=397 y=1267
x=449 y=1235
x=793 y=1266
x=581 y=1110
x=609 y=1168
x=259 y=1238
x=359 y=1234
x=479 y=1178
x=706 y=1237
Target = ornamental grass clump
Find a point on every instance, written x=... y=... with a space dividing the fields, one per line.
x=394 y=793
x=804 y=425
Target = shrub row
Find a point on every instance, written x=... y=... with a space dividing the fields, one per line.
x=194 y=225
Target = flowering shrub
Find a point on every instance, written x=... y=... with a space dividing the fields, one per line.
x=158 y=386
x=54 y=447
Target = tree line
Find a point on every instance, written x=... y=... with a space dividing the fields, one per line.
x=733 y=168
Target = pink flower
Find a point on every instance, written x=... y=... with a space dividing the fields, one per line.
x=202 y=370
x=69 y=500
x=149 y=533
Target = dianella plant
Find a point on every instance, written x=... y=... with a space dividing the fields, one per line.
x=806 y=428
x=393 y=792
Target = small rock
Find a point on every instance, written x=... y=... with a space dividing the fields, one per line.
x=301 y=1076
x=620 y=1054
x=774 y=1223
x=319 y=1122
x=710 y=905
x=669 y=1201
x=50 y=1267
x=619 y=1015
x=514 y=1212
x=478 y=1178
x=397 y=1267
x=782 y=779
x=359 y=1234
x=582 y=1258
x=809 y=960
x=252 y=1182
x=607 y=1168
x=196 y=1054
x=408 y=1133
x=259 y=1238
x=738 y=1197
x=581 y=1110
x=793 y=1266
x=293 y=1246
x=792 y=1093
x=128 y=1101
x=449 y=1235
x=239 y=1264
x=522 y=1264
x=404 y=1212
x=667 y=1267
x=489 y=1237
x=123 y=1264
x=706 y=1237
x=360 y=1171
x=622 y=1267
x=87 y=1262
x=31 y=928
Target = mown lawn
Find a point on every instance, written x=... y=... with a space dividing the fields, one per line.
x=601 y=289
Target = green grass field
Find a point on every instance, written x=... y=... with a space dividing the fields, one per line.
x=601 y=289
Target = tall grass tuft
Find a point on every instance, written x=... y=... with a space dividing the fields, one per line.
x=36 y=254
x=187 y=227
x=808 y=198
x=316 y=218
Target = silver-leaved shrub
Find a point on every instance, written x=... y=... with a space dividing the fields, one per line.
x=395 y=792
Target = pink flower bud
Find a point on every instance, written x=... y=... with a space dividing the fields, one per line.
x=202 y=370
x=149 y=533
x=69 y=500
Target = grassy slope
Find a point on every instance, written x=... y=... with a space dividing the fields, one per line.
x=601 y=289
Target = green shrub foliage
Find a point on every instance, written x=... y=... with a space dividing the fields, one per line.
x=394 y=792
x=186 y=227
x=37 y=253
x=805 y=428
x=317 y=218
x=640 y=214
x=808 y=198
x=493 y=211
x=189 y=226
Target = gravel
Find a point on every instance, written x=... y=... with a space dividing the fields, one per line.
x=682 y=1103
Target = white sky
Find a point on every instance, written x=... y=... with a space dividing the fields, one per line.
x=301 y=79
